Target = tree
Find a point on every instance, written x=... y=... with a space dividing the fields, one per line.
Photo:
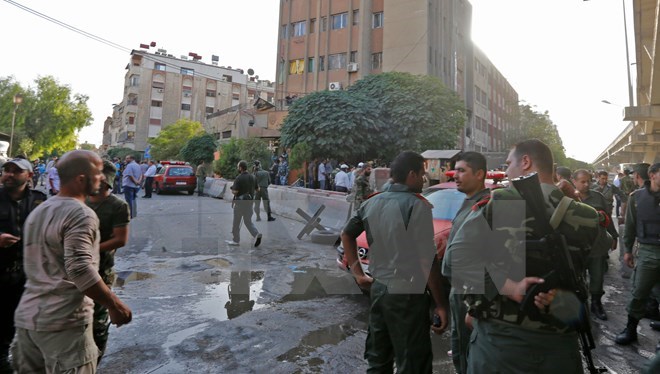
x=49 y=116
x=169 y=142
x=88 y=147
x=120 y=153
x=535 y=125
x=199 y=149
x=252 y=149
x=225 y=166
x=300 y=153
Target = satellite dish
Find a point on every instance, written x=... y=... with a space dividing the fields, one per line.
x=256 y=77
x=250 y=72
x=241 y=71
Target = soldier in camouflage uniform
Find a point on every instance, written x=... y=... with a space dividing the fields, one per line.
x=608 y=190
x=201 y=174
x=114 y=218
x=597 y=259
x=506 y=339
x=399 y=227
x=361 y=187
x=470 y=179
x=263 y=180
x=642 y=224
x=16 y=203
x=627 y=187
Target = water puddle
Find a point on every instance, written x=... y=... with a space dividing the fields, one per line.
x=128 y=276
x=315 y=283
x=219 y=262
x=228 y=300
x=331 y=335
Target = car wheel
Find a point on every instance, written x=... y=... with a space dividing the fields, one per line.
x=157 y=189
x=191 y=192
x=328 y=237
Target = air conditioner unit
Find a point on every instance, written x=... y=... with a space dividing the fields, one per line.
x=186 y=94
x=160 y=90
x=334 y=86
x=353 y=67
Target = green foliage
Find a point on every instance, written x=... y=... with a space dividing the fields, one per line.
x=378 y=117
x=121 y=153
x=49 y=116
x=199 y=149
x=539 y=126
x=235 y=150
x=254 y=149
x=300 y=153
x=88 y=147
x=169 y=142
x=574 y=164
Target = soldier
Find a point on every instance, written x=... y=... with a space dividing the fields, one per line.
x=507 y=338
x=399 y=226
x=597 y=259
x=16 y=203
x=200 y=173
x=642 y=223
x=608 y=190
x=114 y=218
x=470 y=179
x=564 y=183
x=263 y=180
x=243 y=188
x=362 y=187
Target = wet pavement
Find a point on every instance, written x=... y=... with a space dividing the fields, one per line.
x=201 y=306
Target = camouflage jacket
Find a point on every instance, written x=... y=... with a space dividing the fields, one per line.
x=362 y=190
x=627 y=185
x=508 y=258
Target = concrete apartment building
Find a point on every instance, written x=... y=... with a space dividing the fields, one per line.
x=330 y=44
x=160 y=89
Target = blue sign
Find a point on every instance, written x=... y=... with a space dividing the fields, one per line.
x=146 y=152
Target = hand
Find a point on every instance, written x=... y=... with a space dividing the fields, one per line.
x=444 y=321
x=544 y=299
x=7 y=240
x=364 y=281
x=120 y=314
x=516 y=290
x=468 y=321
x=614 y=244
x=629 y=260
x=621 y=220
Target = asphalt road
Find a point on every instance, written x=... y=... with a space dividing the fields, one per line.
x=201 y=306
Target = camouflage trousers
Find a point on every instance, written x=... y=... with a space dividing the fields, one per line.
x=597 y=267
x=200 y=185
x=101 y=323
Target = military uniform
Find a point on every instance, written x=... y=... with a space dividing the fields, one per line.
x=460 y=232
x=112 y=212
x=399 y=228
x=643 y=224
x=12 y=278
x=362 y=190
x=244 y=186
x=201 y=178
x=506 y=339
x=263 y=180
x=597 y=259
x=608 y=191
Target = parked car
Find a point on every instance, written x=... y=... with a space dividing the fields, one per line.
x=175 y=176
x=446 y=201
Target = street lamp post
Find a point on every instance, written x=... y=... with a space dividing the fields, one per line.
x=18 y=99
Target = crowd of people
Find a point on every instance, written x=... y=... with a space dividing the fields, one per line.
x=543 y=262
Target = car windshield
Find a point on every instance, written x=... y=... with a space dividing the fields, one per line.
x=180 y=172
x=446 y=203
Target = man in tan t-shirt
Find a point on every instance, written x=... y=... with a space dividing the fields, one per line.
x=61 y=258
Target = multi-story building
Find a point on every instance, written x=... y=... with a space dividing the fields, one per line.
x=160 y=89
x=330 y=44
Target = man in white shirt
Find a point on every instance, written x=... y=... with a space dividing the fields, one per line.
x=342 y=181
x=54 y=317
x=149 y=179
x=321 y=175
x=53 y=179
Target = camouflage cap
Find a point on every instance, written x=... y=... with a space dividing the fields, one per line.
x=110 y=172
x=642 y=169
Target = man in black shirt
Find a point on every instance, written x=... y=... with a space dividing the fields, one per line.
x=243 y=188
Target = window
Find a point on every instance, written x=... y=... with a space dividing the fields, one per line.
x=356 y=17
x=235 y=96
x=377 y=20
x=185 y=106
x=285 y=31
x=324 y=23
x=226 y=134
x=353 y=57
x=321 y=63
x=187 y=92
x=296 y=66
x=156 y=103
x=159 y=85
x=339 y=21
x=154 y=121
x=159 y=66
x=185 y=71
x=210 y=93
x=312 y=25
x=337 y=61
x=310 y=65
x=134 y=80
x=299 y=28
x=377 y=61
x=131 y=120
x=209 y=110
x=226 y=78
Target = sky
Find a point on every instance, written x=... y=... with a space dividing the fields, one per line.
x=562 y=56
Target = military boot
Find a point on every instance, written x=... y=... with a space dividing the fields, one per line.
x=597 y=308
x=271 y=218
x=629 y=334
x=258 y=217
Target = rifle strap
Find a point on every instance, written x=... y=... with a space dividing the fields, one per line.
x=560 y=211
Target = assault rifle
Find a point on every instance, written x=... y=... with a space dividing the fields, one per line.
x=563 y=275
